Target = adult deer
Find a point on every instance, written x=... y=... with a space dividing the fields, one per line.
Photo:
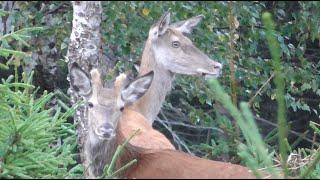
x=111 y=122
x=168 y=52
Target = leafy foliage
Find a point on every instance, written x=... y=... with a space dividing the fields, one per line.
x=255 y=152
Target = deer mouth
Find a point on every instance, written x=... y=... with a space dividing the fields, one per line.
x=207 y=75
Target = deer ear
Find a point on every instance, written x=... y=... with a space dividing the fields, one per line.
x=80 y=80
x=163 y=23
x=136 y=89
x=187 y=26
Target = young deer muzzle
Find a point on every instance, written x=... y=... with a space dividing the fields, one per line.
x=167 y=52
x=104 y=109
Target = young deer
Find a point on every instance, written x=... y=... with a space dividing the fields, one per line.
x=111 y=122
x=168 y=52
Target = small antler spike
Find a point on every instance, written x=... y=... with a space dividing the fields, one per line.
x=120 y=82
x=96 y=81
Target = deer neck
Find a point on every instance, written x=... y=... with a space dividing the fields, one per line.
x=130 y=122
x=145 y=140
x=99 y=152
x=150 y=104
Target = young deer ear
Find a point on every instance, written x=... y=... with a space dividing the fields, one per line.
x=136 y=89
x=163 y=23
x=187 y=26
x=80 y=80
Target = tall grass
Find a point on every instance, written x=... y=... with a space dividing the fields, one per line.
x=274 y=48
x=254 y=152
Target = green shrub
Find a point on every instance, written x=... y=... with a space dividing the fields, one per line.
x=36 y=141
x=255 y=151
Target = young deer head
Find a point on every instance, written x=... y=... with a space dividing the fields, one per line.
x=105 y=106
x=167 y=52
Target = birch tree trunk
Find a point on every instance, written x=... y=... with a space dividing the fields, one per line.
x=84 y=49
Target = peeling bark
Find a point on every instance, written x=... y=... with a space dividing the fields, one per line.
x=84 y=49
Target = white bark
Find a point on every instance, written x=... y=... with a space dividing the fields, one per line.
x=84 y=48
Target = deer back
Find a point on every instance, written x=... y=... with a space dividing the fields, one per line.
x=157 y=158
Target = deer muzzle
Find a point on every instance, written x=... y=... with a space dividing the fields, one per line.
x=215 y=71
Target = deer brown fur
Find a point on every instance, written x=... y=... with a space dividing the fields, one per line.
x=157 y=158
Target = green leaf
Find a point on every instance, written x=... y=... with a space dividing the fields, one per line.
x=3 y=12
x=305 y=107
x=6 y=52
x=3 y=66
x=305 y=86
x=18 y=38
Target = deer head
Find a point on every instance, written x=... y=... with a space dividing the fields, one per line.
x=167 y=52
x=176 y=52
x=104 y=108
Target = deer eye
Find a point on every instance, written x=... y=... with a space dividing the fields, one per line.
x=121 y=109
x=175 y=44
x=90 y=105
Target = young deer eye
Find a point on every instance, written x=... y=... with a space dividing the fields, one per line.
x=175 y=44
x=90 y=105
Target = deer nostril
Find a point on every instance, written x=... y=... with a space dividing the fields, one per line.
x=217 y=66
x=105 y=131
x=121 y=109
